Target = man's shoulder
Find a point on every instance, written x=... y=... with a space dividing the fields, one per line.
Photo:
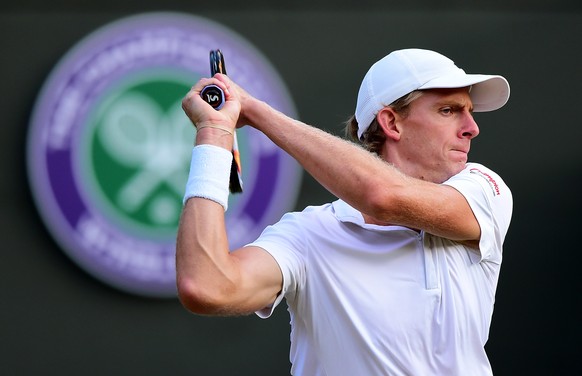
x=476 y=179
x=474 y=170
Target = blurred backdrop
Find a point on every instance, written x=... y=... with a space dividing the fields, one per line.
x=58 y=318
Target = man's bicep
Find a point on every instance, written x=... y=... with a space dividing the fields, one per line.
x=440 y=210
x=261 y=277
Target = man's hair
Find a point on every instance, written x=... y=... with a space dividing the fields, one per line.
x=373 y=138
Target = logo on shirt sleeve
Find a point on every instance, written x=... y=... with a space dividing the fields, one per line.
x=490 y=180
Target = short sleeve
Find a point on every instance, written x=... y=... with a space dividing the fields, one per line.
x=285 y=242
x=491 y=201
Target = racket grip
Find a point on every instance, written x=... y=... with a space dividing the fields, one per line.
x=214 y=96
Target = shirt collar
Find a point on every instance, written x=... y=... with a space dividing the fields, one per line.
x=347 y=214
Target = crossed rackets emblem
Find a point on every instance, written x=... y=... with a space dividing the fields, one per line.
x=138 y=134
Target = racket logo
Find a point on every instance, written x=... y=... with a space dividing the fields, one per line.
x=213 y=99
x=213 y=95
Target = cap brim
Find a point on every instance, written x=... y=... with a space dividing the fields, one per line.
x=487 y=93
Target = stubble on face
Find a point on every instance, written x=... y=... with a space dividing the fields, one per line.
x=433 y=144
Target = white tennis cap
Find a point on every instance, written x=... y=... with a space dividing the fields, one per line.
x=404 y=71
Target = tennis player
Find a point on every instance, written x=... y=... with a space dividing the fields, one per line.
x=396 y=277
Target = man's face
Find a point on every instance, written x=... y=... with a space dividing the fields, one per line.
x=436 y=135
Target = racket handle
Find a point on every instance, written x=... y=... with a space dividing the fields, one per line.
x=214 y=96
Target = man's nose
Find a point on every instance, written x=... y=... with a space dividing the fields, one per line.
x=470 y=129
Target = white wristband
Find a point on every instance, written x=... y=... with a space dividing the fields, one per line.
x=209 y=174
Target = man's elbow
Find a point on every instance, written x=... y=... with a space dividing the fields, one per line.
x=381 y=204
x=200 y=299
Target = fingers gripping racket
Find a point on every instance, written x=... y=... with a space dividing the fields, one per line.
x=215 y=97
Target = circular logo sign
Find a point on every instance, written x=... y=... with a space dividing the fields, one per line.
x=109 y=146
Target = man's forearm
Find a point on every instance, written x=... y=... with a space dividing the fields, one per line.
x=345 y=169
x=365 y=181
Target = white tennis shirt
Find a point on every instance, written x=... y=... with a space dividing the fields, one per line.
x=369 y=300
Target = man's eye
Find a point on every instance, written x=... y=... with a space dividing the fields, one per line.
x=446 y=111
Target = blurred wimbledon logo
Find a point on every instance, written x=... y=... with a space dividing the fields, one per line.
x=109 y=147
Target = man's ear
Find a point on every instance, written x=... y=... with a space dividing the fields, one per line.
x=389 y=121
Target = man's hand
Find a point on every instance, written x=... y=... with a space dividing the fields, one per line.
x=213 y=125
